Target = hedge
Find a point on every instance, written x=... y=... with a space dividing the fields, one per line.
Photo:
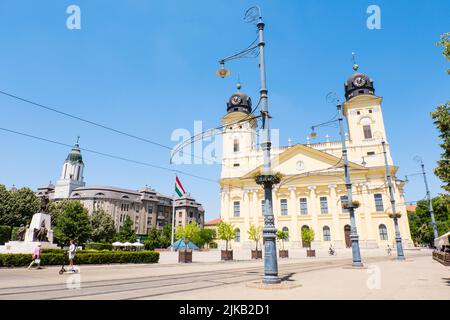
x=5 y=234
x=91 y=257
x=98 y=246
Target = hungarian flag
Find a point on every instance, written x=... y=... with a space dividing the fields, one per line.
x=178 y=187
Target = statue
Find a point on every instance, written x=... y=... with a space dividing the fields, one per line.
x=41 y=233
x=44 y=204
x=21 y=232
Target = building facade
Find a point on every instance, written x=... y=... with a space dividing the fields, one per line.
x=313 y=190
x=147 y=208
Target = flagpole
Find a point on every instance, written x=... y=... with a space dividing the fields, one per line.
x=173 y=221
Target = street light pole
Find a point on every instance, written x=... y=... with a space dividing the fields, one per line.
x=266 y=178
x=356 y=254
x=433 y=221
x=398 y=238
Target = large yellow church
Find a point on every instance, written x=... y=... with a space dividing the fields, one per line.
x=312 y=190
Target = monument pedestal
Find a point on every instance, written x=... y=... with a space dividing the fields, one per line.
x=39 y=221
x=25 y=247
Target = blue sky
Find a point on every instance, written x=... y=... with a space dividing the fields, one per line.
x=148 y=67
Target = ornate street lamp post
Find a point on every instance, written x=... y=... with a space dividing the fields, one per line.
x=430 y=205
x=395 y=215
x=356 y=254
x=267 y=179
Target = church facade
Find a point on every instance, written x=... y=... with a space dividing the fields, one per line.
x=312 y=189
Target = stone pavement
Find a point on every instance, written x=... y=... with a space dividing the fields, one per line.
x=324 y=277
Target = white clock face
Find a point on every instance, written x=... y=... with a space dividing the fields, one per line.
x=300 y=165
x=236 y=100
x=359 y=81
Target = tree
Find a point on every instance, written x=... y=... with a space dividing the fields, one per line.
x=255 y=234
x=441 y=118
x=187 y=233
x=205 y=236
x=165 y=237
x=103 y=228
x=126 y=232
x=282 y=236
x=17 y=207
x=153 y=240
x=226 y=232
x=308 y=236
x=73 y=223
x=420 y=220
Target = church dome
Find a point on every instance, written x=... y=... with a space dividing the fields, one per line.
x=358 y=84
x=239 y=102
x=75 y=154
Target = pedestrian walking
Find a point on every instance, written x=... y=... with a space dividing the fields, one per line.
x=36 y=255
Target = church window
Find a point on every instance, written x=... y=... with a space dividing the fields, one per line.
x=358 y=112
x=344 y=202
x=303 y=206
x=284 y=207
x=323 y=205
x=378 y=202
x=236 y=165
x=371 y=153
x=237 y=208
x=383 y=232
x=78 y=173
x=263 y=206
x=326 y=233
x=286 y=229
x=237 y=235
x=370 y=110
x=236 y=145
x=367 y=132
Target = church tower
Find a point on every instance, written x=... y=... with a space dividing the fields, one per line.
x=239 y=135
x=363 y=112
x=71 y=174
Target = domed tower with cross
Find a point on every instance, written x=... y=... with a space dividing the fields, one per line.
x=71 y=174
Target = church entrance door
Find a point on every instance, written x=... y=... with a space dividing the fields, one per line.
x=348 y=242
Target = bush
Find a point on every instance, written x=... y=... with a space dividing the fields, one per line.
x=5 y=234
x=56 y=251
x=14 y=231
x=98 y=246
x=90 y=257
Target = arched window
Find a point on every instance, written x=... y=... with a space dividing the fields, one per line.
x=236 y=145
x=383 y=232
x=286 y=229
x=100 y=194
x=365 y=122
x=236 y=208
x=237 y=235
x=326 y=234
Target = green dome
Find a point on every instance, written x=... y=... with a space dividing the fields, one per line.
x=75 y=154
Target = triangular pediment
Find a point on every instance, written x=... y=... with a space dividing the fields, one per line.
x=303 y=159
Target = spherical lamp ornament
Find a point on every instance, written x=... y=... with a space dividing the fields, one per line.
x=222 y=72
x=355 y=67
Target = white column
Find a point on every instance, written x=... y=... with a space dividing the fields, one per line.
x=315 y=211
x=294 y=237
x=336 y=232
x=371 y=241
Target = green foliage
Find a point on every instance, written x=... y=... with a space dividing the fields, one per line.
x=420 y=220
x=103 y=257
x=5 y=234
x=126 y=232
x=98 y=246
x=308 y=236
x=189 y=233
x=72 y=223
x=14 y=232
x=103 y=228
x=17 y=207
x=213 y=245
x=441 y=118
x=445 y=44
x=226 y=231
x=205 y=236
x=255 y=234
x=158 y=238
x=282 y=235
